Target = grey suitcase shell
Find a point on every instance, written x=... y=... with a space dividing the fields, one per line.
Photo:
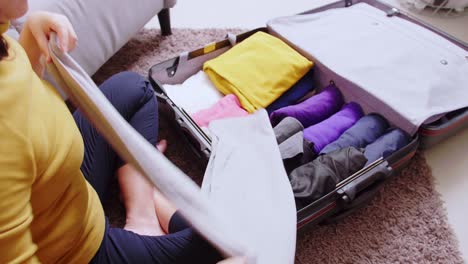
x=356 y=190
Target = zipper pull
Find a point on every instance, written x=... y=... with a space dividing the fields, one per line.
x=393 y=11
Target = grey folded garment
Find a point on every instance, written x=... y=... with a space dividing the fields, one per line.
x=315 y=179
x=294 y=149
x=286 y=128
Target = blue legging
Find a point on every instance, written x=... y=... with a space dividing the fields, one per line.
x=133 y=97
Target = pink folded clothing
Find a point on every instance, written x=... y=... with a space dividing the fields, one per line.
x=228 y=106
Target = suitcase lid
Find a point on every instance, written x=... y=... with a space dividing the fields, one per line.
x=390 y=65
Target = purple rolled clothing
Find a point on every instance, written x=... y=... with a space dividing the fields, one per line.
x=313 y=110
x=331 y=129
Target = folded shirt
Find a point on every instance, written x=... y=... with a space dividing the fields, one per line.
x=195 y=94
x=313 y=110
x=296 y=92
x=228 y=106
x=364 y=132
x=315 y=179
x=386 y=145
x=331 y=129
x=258 y=70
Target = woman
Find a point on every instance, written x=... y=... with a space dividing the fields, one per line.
x=55 y=168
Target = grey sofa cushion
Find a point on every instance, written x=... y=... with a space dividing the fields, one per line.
x=102 y=26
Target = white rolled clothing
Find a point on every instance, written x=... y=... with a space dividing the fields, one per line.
x=194 y=94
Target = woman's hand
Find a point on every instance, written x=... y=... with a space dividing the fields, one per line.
x=36 y=35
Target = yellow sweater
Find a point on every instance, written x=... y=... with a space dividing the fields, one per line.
x=48 y=211
x=258 y=70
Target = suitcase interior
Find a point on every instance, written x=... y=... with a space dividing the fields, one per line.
x=352 y=193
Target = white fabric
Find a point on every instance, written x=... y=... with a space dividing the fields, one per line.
x=195 y=94
x=412 y=70
x=246 y=180
x=132 y=147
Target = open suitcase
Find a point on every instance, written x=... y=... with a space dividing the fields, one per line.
x=357 y=189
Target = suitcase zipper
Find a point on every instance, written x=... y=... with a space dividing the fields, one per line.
x=359 y=173
x=392 y=12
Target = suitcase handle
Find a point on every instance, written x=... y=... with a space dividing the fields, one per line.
x=358 y=192
x=350 y=191
x=349 y=208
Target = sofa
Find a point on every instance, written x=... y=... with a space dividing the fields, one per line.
x=102 y=26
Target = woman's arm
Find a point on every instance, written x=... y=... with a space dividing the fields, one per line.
x=16 y=178
x=35 y=36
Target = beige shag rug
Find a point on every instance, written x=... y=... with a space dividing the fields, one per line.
x=405 y=223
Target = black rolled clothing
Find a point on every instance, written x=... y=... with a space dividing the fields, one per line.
x=315 y=179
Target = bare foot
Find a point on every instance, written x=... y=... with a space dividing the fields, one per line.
x=164 y=209
x=162 y=145
x=148 y=225
x=144 y=227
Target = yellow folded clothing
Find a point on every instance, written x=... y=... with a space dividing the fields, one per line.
x=258 y=70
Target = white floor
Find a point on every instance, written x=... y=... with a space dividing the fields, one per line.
x=449 y=160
